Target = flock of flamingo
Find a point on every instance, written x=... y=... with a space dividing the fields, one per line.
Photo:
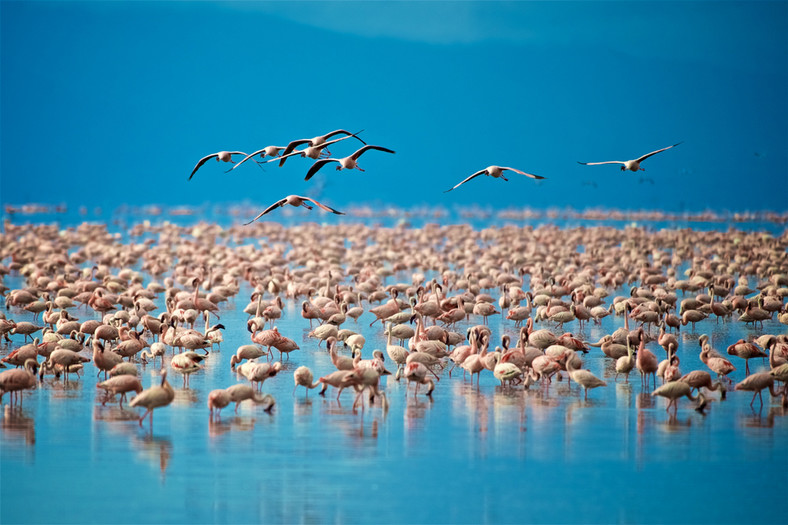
x=90 y=302
x=316 y=148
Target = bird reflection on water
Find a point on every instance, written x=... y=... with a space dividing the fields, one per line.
x=218 y=427
x=153 y=449
x=62 y=390
x=185 y=397
x=18 y=427
x=757 y=420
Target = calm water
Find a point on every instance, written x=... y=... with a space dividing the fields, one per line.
x=468 y=455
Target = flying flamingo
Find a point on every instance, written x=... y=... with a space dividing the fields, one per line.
x=270 y=151
x=493 y=171
x=348 y=163
x=631 y=165
x=318 y=143
x=224 y=156
x=296 y=200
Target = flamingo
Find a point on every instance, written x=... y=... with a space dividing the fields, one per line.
x=493 y=171
x=631 y=165
x=270 y=151
x=19 y=356
x=154 y=397
x=347 y=163
x=259 y=372
x=334 y=379
x=187 y=363
x=241 y=392
x=581 y=376
x=625 y=364
x=700 y=378
x=64 y=358
x=646 y=363
x=317 y=143
x=417 y=373
x=674 y=390
x=157 y=349
x=506 y=372
x=718 y=365
x=303 y=377
x=756 y=383
x=363 y=379
x=746 y=351
x=217 y=400
x=296 y=200
x=120 y=385
x=224 y=156
x=18 y=379
x=246 y=352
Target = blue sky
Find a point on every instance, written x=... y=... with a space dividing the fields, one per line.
x=114 y=102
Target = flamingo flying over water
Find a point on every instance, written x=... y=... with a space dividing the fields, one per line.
x=631 y=165
x=224 y=156
x=493 y=171
x=348 y=163
x=296 y=200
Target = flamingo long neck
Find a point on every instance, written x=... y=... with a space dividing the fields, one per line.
x=259 y=304
x=570 y=365
x=641 y=349
x=772 y=358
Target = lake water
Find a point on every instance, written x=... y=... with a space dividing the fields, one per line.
x=467 y=455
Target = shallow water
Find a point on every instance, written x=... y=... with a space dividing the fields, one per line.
x=467 y=455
